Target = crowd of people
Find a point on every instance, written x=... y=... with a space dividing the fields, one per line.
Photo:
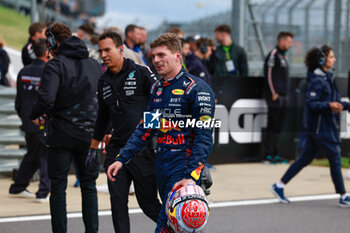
x=64 y=120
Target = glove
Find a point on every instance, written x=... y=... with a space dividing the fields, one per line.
x=90 y=158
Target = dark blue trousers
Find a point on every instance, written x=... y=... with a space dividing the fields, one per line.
x=36 y=158
x=312 y=146
x=165 y=185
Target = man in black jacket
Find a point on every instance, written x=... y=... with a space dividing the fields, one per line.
x=276 y=90
x=68 y=96
x=28 y=82
x=123 y=93
x=36 y=31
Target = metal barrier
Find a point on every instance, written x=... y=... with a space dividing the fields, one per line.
x=11 y=137
x=313 y=22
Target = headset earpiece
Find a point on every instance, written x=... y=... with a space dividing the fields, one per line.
x=204 y=48
x=51 y=42
x=322 y=58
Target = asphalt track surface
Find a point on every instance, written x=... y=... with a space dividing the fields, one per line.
x=321 y=216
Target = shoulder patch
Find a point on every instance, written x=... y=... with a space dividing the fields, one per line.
x=153 y=88
x=149 y=69
x=190 y=85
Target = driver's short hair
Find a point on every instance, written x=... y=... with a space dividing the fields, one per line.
x=170 y=40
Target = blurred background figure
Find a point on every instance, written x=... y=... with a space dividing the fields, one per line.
x=86 y=33
x=194 y=60
x=232 y=59
x=4 y=63
x=132 y=40
x=178 y=31
x=185 y=47
x=185 y=50
x=210 y=62
x=36 y=31
x=193 y=43
x=28 y=82
x=276 y=71
x=145 y=48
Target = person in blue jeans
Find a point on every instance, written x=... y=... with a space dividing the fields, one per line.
x=321 y=123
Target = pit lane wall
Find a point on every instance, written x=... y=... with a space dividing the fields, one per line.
x=242 y=109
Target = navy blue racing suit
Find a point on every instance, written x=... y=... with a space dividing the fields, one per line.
x=182 y=151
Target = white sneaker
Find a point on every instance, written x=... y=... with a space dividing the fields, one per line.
x=102 y=188
x=25 y=193
x=42 y=199
x=132 y=189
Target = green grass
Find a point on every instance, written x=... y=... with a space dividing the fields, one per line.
x=13 y=27
x=345 y=162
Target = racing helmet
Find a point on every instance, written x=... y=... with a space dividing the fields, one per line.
x=187 y=209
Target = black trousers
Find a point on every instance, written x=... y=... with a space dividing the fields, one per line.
x=36 y=157
x=275 y=120
x=145 y=191
x=59 y=161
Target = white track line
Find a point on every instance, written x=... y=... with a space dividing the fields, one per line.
x=212 y=205
x=274 y=200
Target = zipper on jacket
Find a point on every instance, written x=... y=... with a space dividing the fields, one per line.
x=336 y=124
x=318 y=124
x=333 y=85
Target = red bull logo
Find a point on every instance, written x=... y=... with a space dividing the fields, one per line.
x=170 y=140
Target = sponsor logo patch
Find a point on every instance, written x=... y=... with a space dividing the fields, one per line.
x=205 y=118
x=177 y=92
x=203 y=98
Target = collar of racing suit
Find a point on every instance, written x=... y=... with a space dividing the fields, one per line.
x=175 y=79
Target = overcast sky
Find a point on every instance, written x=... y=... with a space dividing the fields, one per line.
x=150 y=13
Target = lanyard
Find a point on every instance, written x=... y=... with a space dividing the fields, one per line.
x=227 y=51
